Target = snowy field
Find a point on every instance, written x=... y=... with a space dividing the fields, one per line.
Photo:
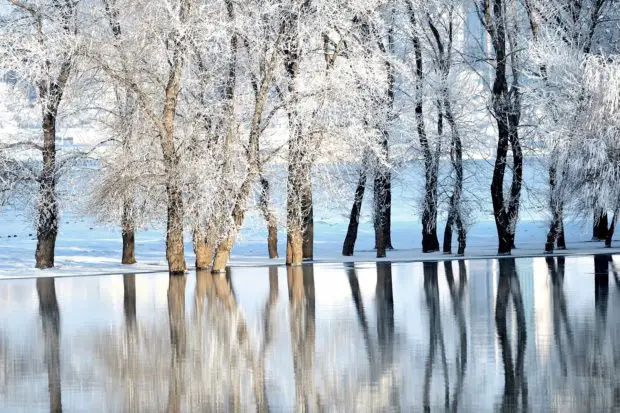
x=85 y=247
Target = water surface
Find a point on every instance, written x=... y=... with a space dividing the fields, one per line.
x=507 y=335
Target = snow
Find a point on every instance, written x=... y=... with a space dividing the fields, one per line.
x=85 y=248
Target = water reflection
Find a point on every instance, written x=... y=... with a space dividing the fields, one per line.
x=303 y=329
x=50 y=320
x=178 y=341
x=508 y=335
x=515 y=382
x=562 y=330
x=457 y=297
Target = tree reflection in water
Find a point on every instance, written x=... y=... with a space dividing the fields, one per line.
x=561 y=323
x=50 y=320
x=364 y=355
x=436 y=346
x=457 y=297
x=356 y=295
x=232 y=352
x=131 y=332
x=435 y=335
x=515 y=383
x=178 y=341
x=302 y=319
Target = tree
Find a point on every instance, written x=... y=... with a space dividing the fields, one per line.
x=506 y=109
x=430 y=242
x=563 y=36
x=42 y=53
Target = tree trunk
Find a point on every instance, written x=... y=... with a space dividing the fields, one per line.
x=175 y=250
x=202 y=250
x=379 y=212
x=222 y=255
x=298 y=181
x=128 y=234
x=561 y=238
x=599 y=230
x=462 y=238
x=551 y=236
x=456 y=157
x=354 y=218
x=388 y=212
x=47 y=223
x=308 y=225
x=294 y=247
x=270 y=218
x=506 y=110
x=612 y=228
x=447 y=233
x=272 y=240
x=430 y=243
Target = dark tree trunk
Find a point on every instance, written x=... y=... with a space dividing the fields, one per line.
x=447 y=233
x=506 y=109
x=599 y=230
x=561 y=238
x=379 y=216
x=462 y=237
x=388 y=213
x=50 y=319
x=354 y=218
x=556 y=228
x=128 y=233
x=381 y=188
x=50 y=94
x=308 y=214
x=612 y=228
x=430 y=243
x=47 y=224
x=270 y=218
x=386 y=208
x=454 y=216
x=382 y=195
x=551 y=237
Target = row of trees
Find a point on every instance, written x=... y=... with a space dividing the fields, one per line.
x=201 y=104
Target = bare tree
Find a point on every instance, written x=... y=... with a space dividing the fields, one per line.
x=506 y=109
x=47 y=62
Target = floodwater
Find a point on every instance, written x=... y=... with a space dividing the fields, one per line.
x=537 y=335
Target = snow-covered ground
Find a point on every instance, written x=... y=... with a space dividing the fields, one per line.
x=86 y=248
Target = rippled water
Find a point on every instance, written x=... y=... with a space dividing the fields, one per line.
x=472 y=336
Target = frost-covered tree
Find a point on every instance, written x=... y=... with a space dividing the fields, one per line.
x=564 y=35
x=501 y=21
x=39 y=42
